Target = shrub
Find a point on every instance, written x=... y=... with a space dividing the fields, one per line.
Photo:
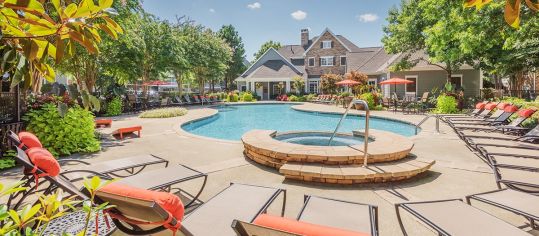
x=293 y=98
x=63 y=135
x=310 y=97
x=114 y=107
x=8 y=160
x=232 y=97
x=446 y=104
x=247 y=97
x=302 y=98
x=164 y=113
x=369 y=98
x=534 y=120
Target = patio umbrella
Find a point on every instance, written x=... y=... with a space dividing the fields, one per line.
x=348 y=82
x=396 y=81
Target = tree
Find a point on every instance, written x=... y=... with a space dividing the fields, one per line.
x=34 y=35
x=234 y=41
x=265 y=47
x=328 y=83
x=429 y=25
x=298 y=84
x=359 y=77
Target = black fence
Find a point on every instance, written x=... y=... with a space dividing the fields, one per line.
x=8 y=107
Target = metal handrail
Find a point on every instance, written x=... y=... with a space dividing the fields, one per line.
x=366 y=135
x=425 y=119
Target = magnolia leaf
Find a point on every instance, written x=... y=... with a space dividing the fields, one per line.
x=30 y=213
x=70 y=10
x=26 y=5
x=60 y=47
x=105 y=4
x=108 y=30
x=111 y=11
x=532 y=5
x=512 y=13
x=57 y=7
x=62 y=109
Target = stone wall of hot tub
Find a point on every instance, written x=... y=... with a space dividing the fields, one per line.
x=388 y=158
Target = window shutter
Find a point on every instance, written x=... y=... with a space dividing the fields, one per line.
x=320 y=61
x=331 y=44
x=334 y=62
x=321 y=44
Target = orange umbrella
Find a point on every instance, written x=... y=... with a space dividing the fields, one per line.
x=396 y=81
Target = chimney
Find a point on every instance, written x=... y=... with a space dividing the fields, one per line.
x=304 y=37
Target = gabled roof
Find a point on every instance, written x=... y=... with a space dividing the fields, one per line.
x=267 y=64
x=332 y=34
x=292 y=51
x=273 y=69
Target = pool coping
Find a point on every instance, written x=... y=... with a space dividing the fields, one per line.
x=178 y=128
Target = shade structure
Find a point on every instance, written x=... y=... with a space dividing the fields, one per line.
x=396 y=81
x=348 y=82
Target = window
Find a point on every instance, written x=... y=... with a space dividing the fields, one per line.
x=456 y=81
x=411 y=87
x=372 y=82
x=311 y=61
x=326 y=44
x=326 y=61
x=244 y=88
x=313 y=86
x=343 y=61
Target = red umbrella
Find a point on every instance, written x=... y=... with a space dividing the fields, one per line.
x=348 y=82
x=396 y=81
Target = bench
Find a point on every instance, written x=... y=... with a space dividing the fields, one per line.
x=103 y=123
x=127 y=130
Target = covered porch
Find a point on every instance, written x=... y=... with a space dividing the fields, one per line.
x=268 y=88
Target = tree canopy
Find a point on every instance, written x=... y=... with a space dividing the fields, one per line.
x=265 y=47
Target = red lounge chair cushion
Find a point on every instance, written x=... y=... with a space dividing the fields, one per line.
x=44 y=160
x=168 y=201
x=502 y=105
x=29 y=140
x=490 y=106
x=480 y=105
x=526 y=113
x=511 y=108
x=301 y=228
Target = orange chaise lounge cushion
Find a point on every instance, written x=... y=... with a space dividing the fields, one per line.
x=526 y=112
x=511 y=108
x=490 y=106
x=168 y=201
x=29 y=140
x=44 y=160
x=480 y=105
x=301 y=228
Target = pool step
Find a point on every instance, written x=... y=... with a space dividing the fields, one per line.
x=353 y=174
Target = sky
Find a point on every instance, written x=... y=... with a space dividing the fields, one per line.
x=258 y=21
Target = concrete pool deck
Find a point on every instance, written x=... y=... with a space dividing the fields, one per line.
x=457 y=172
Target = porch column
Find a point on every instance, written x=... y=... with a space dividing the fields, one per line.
x=288 y=86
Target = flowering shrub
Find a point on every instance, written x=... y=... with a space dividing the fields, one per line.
x=247 y=97
x=369 y=98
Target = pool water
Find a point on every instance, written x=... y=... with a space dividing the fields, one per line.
x=319 y=139
x=232 y=121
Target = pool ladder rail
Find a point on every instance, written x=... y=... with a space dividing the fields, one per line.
x=365 y=135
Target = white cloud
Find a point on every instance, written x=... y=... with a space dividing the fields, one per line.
x=299 y=15
x=368 y=17
x=212 y=10
x=255 y=5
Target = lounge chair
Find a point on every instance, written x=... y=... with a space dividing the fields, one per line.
x=503 y=118
x=187 y=100
x=478 y=108
x=164 y=102
x=483 y=115
x=160 y=179
x=214 y=217
x=517 y=202
x=517 y=173
x=514 y=126
x=454 y=217
x=532 y=135
x=197 y=101
x=334 y=217
x=510 y=151
x=176 y=101
x=516 y=143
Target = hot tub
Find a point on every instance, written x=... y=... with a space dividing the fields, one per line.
x=319 y=138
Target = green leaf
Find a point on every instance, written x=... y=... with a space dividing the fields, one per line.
x=105 y=3
x=70 y=10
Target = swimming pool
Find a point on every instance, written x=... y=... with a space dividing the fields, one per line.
x=232 y=121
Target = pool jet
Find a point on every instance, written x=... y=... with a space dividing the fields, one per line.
x=366 y=135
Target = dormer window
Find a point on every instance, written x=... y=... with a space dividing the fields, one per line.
x=326 y=44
